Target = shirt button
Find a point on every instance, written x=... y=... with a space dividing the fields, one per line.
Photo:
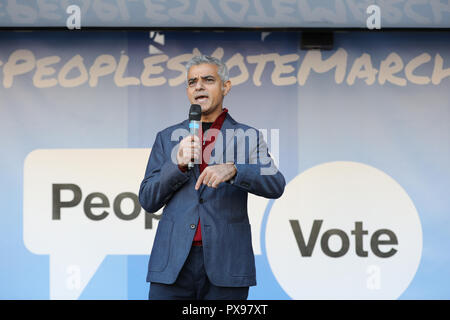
x=192 y=226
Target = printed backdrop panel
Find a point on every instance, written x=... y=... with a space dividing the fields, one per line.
x=361 y=134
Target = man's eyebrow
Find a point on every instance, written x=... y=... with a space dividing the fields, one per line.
x=203 y=77
x=208 y=76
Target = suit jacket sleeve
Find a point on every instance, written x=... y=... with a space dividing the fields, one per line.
x=162 y=178
x=260 y=175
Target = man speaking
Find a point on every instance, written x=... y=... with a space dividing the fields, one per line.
x=203 y=247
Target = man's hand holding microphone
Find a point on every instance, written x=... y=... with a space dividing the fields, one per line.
x=190 y=153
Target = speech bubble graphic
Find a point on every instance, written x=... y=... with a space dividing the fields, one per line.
x=344 y=230
x=82 y=204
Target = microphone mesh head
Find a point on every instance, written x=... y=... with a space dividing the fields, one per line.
x=195 y=112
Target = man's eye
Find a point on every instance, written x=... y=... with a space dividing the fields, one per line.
x=191 y=83
x=210 y=80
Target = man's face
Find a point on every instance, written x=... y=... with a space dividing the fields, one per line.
x=206 y=88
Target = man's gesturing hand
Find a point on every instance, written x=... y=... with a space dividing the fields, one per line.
x=212 y=176
x=189 y=150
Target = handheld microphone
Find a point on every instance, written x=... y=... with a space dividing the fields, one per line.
x=195 y=115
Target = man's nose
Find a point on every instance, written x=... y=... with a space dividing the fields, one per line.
x=199 y=85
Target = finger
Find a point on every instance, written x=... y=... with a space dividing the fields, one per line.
x=195 y=147
x=194 y=138
x=207 y=178
x=216 y=183
x=192 y=141
x=191 y=151
x=188 y=140
x=189 y=144
x=200 y=180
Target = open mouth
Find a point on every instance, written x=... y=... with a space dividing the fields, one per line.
x=201 y=98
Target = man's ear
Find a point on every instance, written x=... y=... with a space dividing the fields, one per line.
x=226 y=87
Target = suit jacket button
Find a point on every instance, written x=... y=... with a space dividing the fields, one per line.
x=192 y=226
x=245 y=184
x=201 y=200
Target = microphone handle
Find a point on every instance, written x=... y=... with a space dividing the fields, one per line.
x=194 y=129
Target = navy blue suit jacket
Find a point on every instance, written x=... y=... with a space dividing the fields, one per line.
x=226 y=234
